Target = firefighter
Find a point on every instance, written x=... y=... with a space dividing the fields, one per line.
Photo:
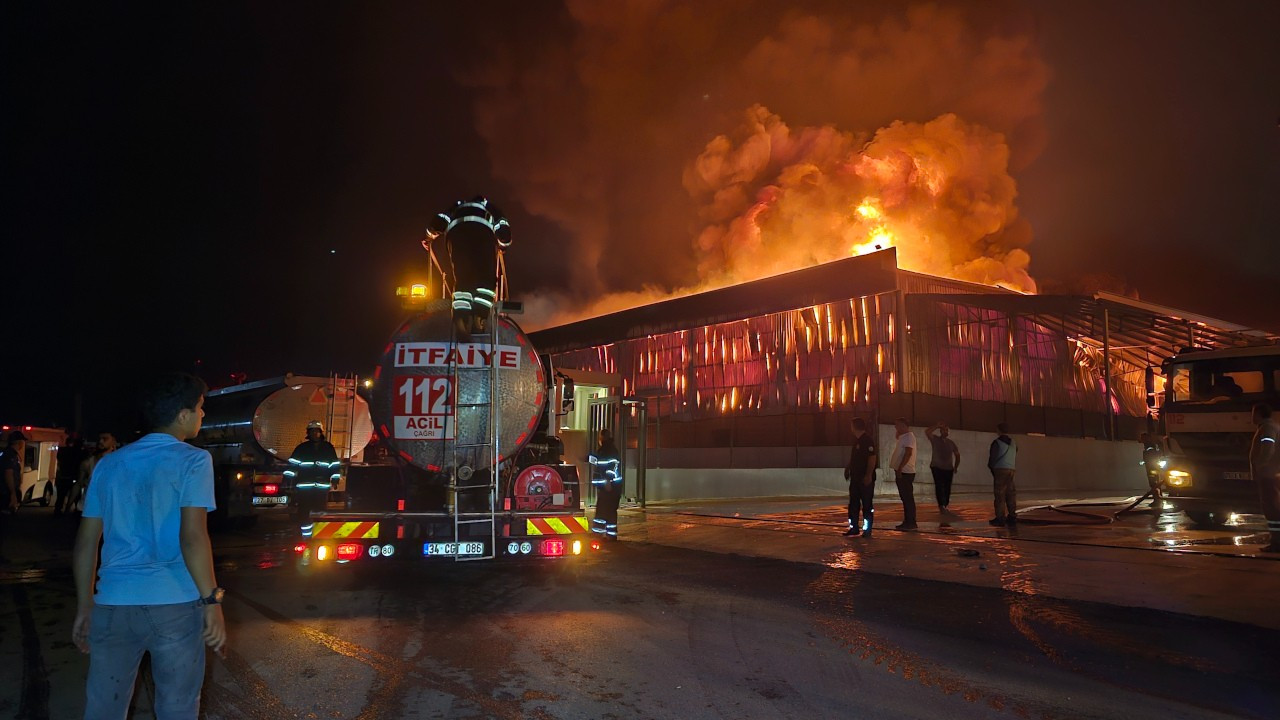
x=1152 y=455
x=1264 y=466
x=475 y=232
x=606 y=476
x=861 y=474
x=314 y=468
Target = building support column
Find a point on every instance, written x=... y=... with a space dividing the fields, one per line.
x=1106 y=372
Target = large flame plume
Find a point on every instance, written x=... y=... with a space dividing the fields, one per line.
x=802 y=132
x=778 y=199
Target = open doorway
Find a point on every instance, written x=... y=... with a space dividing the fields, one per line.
x=580 y=392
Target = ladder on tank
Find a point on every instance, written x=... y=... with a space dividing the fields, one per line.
x=341 y=419
x=479 y=454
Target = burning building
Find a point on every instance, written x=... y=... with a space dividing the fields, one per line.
x=749 y=389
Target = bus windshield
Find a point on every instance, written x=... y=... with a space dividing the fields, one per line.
x=1221 y=380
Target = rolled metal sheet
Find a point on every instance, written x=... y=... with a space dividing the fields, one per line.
x=431 y=397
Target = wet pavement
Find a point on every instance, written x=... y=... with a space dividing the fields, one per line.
x=755 y=608
x=1069 y=548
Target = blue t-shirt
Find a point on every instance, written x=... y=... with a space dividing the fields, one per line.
x=139 y=492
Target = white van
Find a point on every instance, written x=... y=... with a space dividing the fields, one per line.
x=40 y=463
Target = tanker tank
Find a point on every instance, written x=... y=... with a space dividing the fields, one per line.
x=414 y=393
x=255 y=423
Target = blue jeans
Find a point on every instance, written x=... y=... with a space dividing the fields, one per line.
x=120 y=634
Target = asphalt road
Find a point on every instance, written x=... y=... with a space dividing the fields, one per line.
x=647 y=631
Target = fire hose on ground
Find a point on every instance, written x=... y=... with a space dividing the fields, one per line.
x=1085 y=518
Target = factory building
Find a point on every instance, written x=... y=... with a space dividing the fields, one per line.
x=749 y=390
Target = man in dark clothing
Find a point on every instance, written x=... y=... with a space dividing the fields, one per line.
x=314 y=468
x=11 y=461
x=861 y=475
x=944 y=464
x=70 y=455
x=1151 y=454
x=1001 y=461
x=1264 y=466
x=606 y=476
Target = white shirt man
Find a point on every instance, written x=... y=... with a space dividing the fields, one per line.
x=903 y=462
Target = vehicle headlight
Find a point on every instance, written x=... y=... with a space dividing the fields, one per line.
x=1179 y=478
x=1162 y=463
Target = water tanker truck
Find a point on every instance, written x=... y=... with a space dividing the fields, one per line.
x=464 y=466
x=251 y=429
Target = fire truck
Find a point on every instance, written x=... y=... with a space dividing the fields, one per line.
x=465 y=465
x=1207 y=417
x=251 y=429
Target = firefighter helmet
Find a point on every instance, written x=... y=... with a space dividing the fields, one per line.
x=315 y=425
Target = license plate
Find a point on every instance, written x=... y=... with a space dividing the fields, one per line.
x=270 y=499
x=1235 y=476
x=453 y=549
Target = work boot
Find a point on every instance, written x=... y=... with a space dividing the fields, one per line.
x=906 y=526
x=851 y=532
x=996 y=522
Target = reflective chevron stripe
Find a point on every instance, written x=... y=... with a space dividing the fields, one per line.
x=563 y=525
x=354 y=530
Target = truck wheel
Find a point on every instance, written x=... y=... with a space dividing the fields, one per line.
x=47 y=497
x=1203 y=518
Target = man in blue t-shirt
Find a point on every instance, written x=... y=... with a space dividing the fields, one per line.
x=156 y=591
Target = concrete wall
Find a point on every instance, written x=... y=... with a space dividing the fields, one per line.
x=1044 y=463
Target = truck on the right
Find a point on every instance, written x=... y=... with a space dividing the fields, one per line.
x=1206 y=417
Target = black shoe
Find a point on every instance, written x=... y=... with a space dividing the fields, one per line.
x=905 y=526
x=866 y=533
x=462 y=326
x=997 y=522
x=1013 y=520
x=851 y=532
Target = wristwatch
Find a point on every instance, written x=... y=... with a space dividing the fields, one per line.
x=215 y=597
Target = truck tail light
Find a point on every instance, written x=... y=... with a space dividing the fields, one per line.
x=553 y=547
x=348 y=551
x=300 y=548
x=323 y=552
x=271 y=489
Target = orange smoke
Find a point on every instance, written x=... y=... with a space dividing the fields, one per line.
x=777 y=199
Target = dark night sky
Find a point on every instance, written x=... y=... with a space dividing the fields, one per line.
x=176 y=179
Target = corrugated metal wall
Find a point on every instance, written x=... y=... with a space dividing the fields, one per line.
x=973 y=353
x=834 y=355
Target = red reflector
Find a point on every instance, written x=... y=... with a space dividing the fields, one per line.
x=553 y=547
x=400 y=505
x=595 y=544
x=348 y=551
x=299 y=548
x=270 y=489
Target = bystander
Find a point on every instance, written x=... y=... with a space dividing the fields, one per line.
x=944 y=463
x=903 y=462
x=1002 y=460
x=155 y=589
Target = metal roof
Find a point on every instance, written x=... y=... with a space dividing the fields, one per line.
x=830 y=282
x=1140 y=331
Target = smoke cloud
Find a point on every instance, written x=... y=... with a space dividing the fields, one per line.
x=683 y=146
